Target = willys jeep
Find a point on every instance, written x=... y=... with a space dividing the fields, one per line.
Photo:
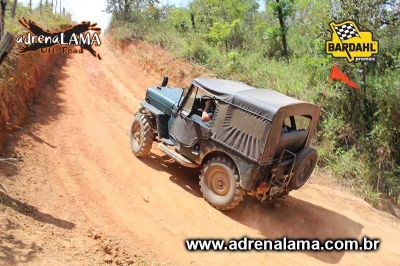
x=257 y=142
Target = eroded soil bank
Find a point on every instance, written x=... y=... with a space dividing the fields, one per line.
x=21 y=78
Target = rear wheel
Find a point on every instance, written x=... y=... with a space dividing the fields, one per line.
x=303 y=167
x=219 y=183
x=141 y=135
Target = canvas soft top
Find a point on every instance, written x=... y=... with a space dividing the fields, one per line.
x=249 y=120
x=264 y=102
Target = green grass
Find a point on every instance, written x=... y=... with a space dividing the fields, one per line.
x=45 y=18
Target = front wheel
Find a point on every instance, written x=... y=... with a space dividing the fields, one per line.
x=219 y=183
x=141 y=135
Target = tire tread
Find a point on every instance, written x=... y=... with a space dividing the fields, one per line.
x=148 y=135
x=239 y=191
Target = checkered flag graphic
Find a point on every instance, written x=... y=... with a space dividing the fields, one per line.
x=346 y=31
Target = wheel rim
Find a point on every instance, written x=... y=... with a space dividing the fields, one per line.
x=136 y=135
x=218 y=181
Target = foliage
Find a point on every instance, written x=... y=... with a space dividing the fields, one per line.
x=359 y=134
x=129 y=10
x=281 y=9
x=43 y=16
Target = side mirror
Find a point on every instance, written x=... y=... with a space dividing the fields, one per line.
x=164 y=82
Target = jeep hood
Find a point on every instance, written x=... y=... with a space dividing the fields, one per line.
x=164 y=98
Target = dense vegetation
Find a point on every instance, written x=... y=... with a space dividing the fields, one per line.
x=44 y=15
x=282 y=45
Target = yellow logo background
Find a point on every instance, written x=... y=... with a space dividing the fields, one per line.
x=365 y=41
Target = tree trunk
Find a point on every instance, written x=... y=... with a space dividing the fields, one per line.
x=127 y=9
x=14 y=8
x=283 y=32
x=2 y=15
x=193 y=21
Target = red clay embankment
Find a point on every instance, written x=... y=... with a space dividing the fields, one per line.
x=21 y=77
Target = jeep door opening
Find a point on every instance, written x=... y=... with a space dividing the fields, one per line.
x=257 y=142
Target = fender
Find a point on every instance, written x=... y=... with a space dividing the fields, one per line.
x=247 y=169
x=160 y=117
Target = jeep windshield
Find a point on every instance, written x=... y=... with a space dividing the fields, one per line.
x=194 y=100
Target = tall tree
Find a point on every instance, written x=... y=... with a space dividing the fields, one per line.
x=282 y=9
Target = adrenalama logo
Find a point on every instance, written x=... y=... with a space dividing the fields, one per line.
x=351 y=43
x=73 y=39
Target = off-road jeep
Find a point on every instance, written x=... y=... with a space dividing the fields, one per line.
x=257 y=142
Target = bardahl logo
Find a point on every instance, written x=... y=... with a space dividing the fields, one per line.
x=73 y=39
x=351 y=43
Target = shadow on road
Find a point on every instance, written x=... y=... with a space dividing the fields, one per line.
x=44 y=109
x=186 y=178
x=14 y=251
x=31 y=211
x=297 y=219
x=39 y=139
x=292 y=217
x=49 y=97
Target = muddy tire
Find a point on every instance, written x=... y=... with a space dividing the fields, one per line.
x=219 y=183
x=303 y=167
x=141 y=135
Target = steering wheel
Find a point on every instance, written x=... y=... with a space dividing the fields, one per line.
x=206 y=97
x=203 y=99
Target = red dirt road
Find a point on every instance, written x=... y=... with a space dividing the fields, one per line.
x=79 y=157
